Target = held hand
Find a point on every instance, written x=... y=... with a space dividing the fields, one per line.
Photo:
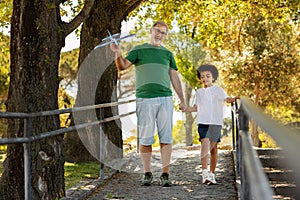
x=182 y=106
x=231 y=99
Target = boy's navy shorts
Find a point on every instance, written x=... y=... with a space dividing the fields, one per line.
x=213 y=132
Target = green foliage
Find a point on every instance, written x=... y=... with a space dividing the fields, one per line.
x=5 y=62
x=5 y=13
x=70 y=8
x=267 y=69
x=284 y=114
x=255 y=44
x=65 y=101
x=68 y=64
x=179 y=132
x=189 y=55
x=267 y=141
x=179 y=135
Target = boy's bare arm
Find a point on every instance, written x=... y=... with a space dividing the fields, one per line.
x=191 y=109
x=231 y=99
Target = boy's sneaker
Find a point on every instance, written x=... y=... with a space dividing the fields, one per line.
x=147 y=179
x=212 y=178
x=205 y=176
x=164 y=180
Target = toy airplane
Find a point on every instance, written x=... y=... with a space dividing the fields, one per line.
x=112 y=39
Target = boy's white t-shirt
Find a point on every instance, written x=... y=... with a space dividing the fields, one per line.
x=209 y=103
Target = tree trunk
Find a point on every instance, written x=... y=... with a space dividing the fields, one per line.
x=37 y=37
x=189 y=118
x=97 y=76
x=35 y=49
x=254 y=133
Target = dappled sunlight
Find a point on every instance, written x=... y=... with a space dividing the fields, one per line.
x=76 y=172
x=2 y=158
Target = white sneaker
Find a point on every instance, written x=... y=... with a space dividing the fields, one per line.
x=205 y=176
x=212 y=178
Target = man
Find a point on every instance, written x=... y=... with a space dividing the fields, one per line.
x=155 y=69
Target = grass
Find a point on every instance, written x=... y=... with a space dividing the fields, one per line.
x=74 y=172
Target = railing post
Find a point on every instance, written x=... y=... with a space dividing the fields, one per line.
x=101 y=142
x=232 y=126
x=244 y=128
x=137 y=140
x=27 y=160
x=236 y=122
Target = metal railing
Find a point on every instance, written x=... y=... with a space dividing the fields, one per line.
x=28 y=138
x=253 y=181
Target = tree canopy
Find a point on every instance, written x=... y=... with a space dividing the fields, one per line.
x=255 y=44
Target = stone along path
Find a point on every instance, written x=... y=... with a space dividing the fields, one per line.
x=185 y=174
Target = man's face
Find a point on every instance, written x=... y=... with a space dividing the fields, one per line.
x=158 y=34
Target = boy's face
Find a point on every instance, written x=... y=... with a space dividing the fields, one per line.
x=206 y=78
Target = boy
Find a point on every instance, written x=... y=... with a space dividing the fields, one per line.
x=209 y=108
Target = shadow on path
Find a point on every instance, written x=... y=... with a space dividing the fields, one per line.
x=185 y=174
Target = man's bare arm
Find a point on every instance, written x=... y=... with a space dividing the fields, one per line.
x=178 y=88
x=121 y=62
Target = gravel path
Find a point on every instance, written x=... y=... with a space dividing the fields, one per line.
x=185 y=174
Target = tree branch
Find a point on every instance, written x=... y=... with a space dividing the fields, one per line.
x=131 y=5
x=80 y=18
x=239 y=37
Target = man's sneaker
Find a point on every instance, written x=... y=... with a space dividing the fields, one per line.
x=212 y=178
x=205 y=176
x=147 y=179
x=164 y=180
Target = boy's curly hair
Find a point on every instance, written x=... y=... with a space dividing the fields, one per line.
x=210 y=68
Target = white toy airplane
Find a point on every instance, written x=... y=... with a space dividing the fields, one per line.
x=112 y=39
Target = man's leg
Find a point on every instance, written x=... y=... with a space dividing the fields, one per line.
x=166 y=151
x=146 y=153
x=164 y=129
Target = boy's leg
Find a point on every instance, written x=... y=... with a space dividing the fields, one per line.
x=213 y=162
x=213 y=156
x=204 y=152
x=204 y=160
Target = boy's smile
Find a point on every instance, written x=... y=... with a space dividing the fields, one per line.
x=206 y=78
